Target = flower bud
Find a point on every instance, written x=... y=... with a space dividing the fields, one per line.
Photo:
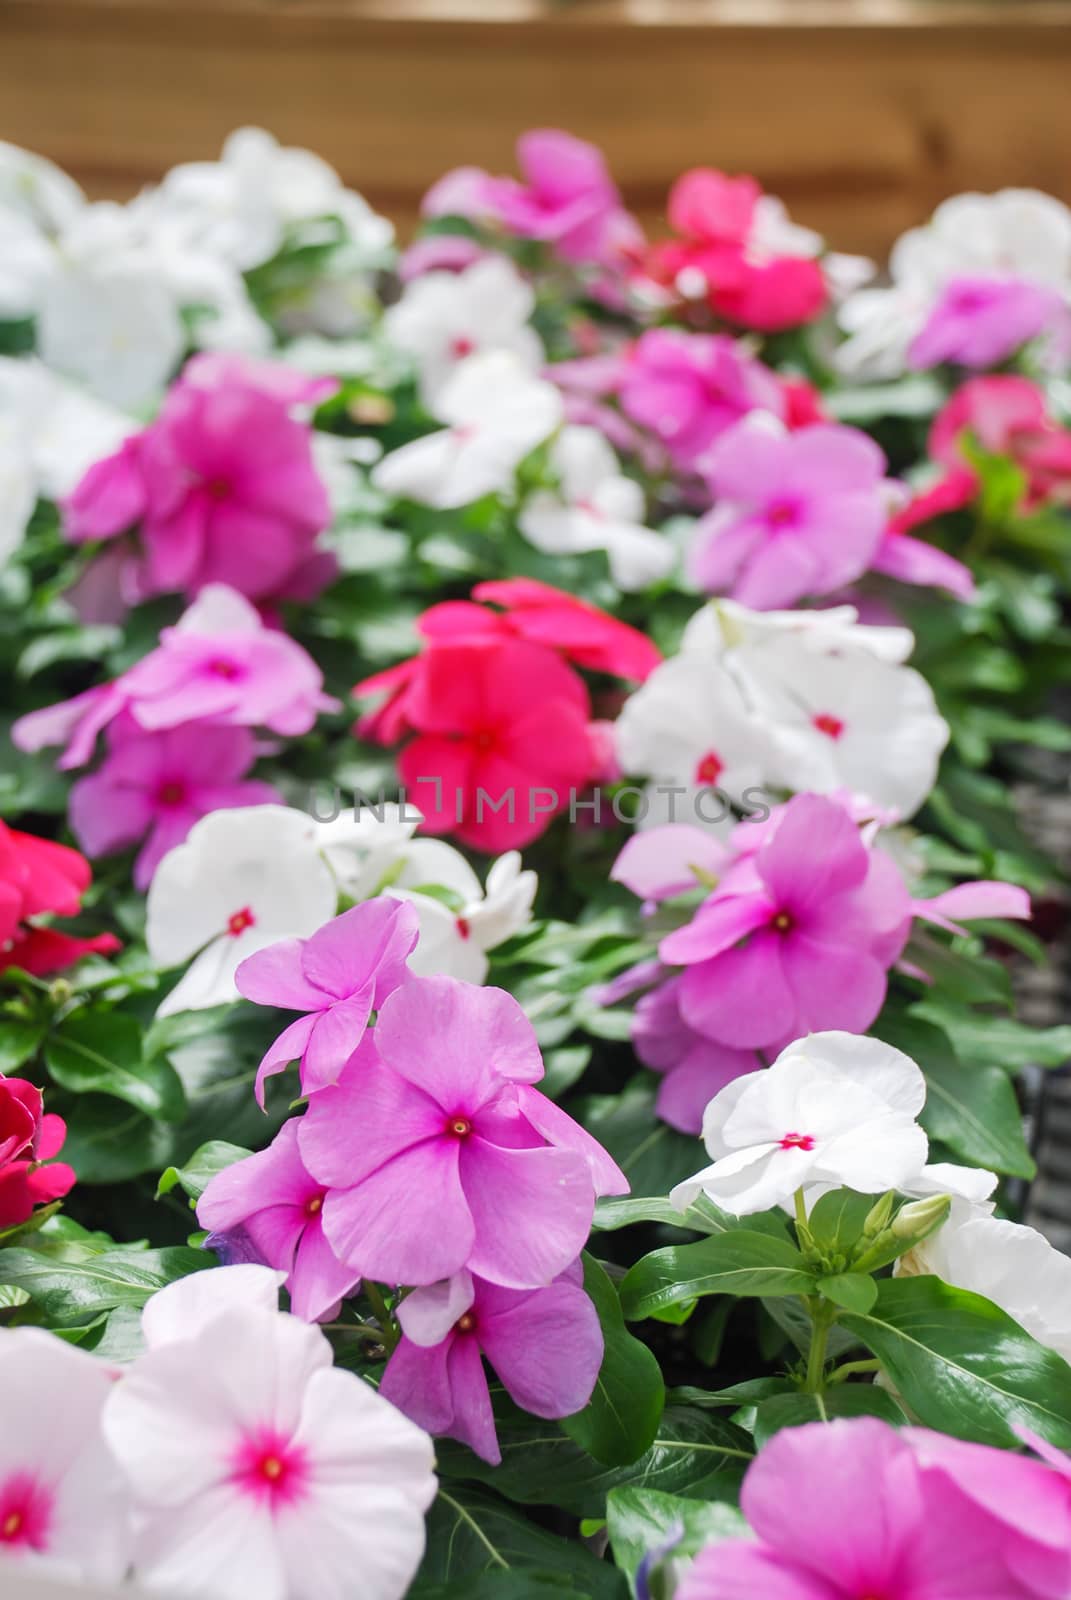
x=877 y=1218
x=919 y=1218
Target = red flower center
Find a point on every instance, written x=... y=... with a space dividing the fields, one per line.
x=459 y=1127
x=798 y=1141
x=462 y=346
x=270 y=1468
x=462 y=925
x=314 y=1206
x=710 y=768
x=784 y=922
x=239 y=921
x=222 y=667
x=25 y=1513
x=466 y=1323
x=171 y=793
x=484 y=739
x=828 y=724
x=782 y=514
x=218 y=488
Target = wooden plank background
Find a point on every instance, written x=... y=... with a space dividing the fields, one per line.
x=860 y=113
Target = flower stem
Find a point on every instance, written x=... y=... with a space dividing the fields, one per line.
x=801 y=1210
x=823 y=1316
x=850 y=1368
x=387 y=1327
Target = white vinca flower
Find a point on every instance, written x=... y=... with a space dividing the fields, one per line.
x=18 y=485
x=1014 y=1266
x=256 y=1467
x=243 y=879
x=596 y=508
x=835 y=1109
x=455 y=935
x=496 y=414
x=443 y=318
x=65 y=428
x=796 y=700
x=1018 y=233
x=64 y=1505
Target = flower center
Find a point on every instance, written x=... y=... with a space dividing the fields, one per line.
x=590 y=509
x=171 y=793
x=459 y=1127
x=710 y=768
x=784 y=922
x=11 y=1526
x=314 y=1206
x=463 y=928
x=222 y=667
x=484 y=740
x=239 y=921
x=25 y=1513
x=465 y=1323
x=782 y=514
x=218 y=488
x=271 y=1469
x=798 y=1141
x=462 y=346
x=828 y=724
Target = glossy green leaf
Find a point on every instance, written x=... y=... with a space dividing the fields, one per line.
x=738 y=1263
x=621 y=1419
x=100 y=1052
x=962 y=1365
x=71 y=1291
x=842 y=1400
x=854 y=1291
x=640 y=1520
x=194 y=1175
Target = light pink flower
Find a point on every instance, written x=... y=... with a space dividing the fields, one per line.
x=338 y=977
x=689 y=388
x=64 y=1508
x=221 y=488
x=155 y=786
x=545 y=1345
x=795 y=514
x=846 y=1510
x=437 y=1153
x=271 y=1203
x=219 y=664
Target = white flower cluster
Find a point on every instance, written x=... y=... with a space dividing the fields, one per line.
x=230 y=1458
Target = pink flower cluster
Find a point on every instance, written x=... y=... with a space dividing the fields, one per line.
x=721 y=259
x=845 y=1509
x=178 y=726
x=221 y=488
x=502 y=723
x=804 y=919
x=29 y=1138
x=426 y=1159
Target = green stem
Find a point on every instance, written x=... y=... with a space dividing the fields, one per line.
x=823 y=1316
x=850 y=1368
x=801 y=1210
x=383 y=1317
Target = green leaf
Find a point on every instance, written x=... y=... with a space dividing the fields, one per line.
x=100 y=1052
x=702 y=1216
x=842 y=1400
x=71 y=1291
x=622 y=1416
x=837 y=1218
x=740 y=1263
x=470 y=1533
x=997 y=1041
x=642 y=1520
x=852 y=1290
x=963 y=1366
x=193 y=1177
x=693 y=1452
x=19 y=1041
x=973 y=1110
x=104 y=1148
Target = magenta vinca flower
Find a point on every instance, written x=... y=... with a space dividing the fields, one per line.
x=437 y=1154
x=270 y=1202
x=155 y=786
x=338 y=977
x=795 y=513
x=851 y=1511
x=797 y=938
x=545 y=1345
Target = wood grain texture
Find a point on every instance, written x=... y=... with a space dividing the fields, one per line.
x=862 y=114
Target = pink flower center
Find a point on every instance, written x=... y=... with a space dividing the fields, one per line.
x=798 y=1141
x=466 y=1323
x=25 y=1513
x=459 y=1127
x=223 y=667
x=464 y=432
x=783 y=922
x=591 y=509
x=462 y=346
x=462 y=926
x=171 y=793
x=239 y=921
x=314 y=1205
x=271 y=1469
x=218 y=488
x=484 y=739
x=710 y=768
x=828 y=724
x=782 y=513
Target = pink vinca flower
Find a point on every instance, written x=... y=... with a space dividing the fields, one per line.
x=221 y=488
x=545 y=1345
x=689 y=388
x=64 y=1508
x=693 y=1067
x=267 y=1208
x=979 y=321
x=797 y=937
x=257 y=1467
x=155 y=786
x=795 y=514
x=1005 y=415
x=849 y=1511
x=338 y=977
x=438 y=1155
x=219 y=664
